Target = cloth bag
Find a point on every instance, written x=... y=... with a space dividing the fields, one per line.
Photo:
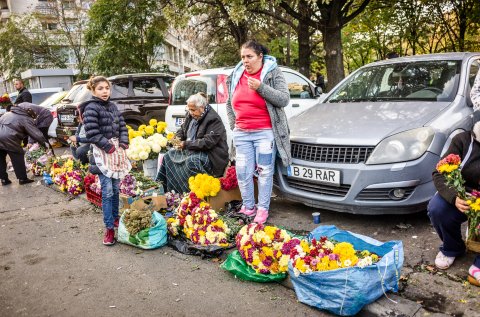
x=149 y=238
x=345 y=291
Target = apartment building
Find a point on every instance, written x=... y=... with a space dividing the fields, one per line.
x=177 y=55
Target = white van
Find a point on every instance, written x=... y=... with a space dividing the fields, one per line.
x=303 y=94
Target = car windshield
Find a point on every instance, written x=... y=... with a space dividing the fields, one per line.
x=185 y=87
x=73 y=92
x=53 y=99
x=412 y=81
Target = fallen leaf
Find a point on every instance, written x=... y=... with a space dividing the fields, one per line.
x=215 y=260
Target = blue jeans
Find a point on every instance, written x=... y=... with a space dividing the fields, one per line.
x=255 y=155
x=447 y=221
x=110 y=199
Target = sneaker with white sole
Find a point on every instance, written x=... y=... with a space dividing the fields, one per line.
x=443 y=262
x=262 y=215
x=248 y=212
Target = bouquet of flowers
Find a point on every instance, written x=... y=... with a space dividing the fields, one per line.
x=127 y=185
x=147 y=141
x=450 y=167
x=92 y=182
x=325 y=255
x=74 y=184
x=137 y=220
x=198 y=222
x=204 y=185
x=36 y=158
x=265 y=248
x=173 y=200
x=68 y=174
x=5 y=101
x=229 y=181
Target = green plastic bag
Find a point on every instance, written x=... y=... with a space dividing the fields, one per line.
x=238 y=267
x=149 y=238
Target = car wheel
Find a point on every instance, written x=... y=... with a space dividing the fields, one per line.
x=133 y=124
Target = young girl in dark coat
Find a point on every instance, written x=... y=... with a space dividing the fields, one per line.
x=106 y=130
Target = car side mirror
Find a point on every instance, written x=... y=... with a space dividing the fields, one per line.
x=318 y=91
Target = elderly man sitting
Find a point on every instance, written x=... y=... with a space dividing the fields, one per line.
x=203 y=147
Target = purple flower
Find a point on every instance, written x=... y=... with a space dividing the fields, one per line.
x=267 y=262
x=333 y=257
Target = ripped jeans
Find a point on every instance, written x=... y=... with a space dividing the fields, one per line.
x=255 y=155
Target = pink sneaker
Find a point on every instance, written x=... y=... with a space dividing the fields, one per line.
x=262 y=215
x=248 y=212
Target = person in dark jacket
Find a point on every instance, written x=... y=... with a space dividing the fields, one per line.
x=15 y=125
x=203 y=147
x=106 y=130
x=23 y=94
x=43 y=120
x=446 y=209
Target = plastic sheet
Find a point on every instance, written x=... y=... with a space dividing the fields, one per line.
x=185 y=246
x=238 y=267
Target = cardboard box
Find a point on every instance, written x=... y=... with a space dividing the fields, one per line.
x=127 y=201
x=152 y=203
x=218 y=202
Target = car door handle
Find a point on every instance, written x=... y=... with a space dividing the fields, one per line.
x=295 y=105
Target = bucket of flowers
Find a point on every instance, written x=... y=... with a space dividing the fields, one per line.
x=146 y=145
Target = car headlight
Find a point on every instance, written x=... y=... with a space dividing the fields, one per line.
x=401 y=147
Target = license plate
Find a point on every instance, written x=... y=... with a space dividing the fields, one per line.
x=179 y=121
x=67 y=118
x=314 y=174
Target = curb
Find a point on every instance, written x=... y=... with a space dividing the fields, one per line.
x=394 y=305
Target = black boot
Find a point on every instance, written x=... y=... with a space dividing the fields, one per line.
x=6 y=182
x=25 y=181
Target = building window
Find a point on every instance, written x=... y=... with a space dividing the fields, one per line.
x=50 y=26
x=68 y=4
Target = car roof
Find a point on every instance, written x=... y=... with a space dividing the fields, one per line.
x=222 y=70
x=140 y=75
x=427 y=57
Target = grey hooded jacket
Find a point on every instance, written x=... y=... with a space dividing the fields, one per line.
x=274 y=90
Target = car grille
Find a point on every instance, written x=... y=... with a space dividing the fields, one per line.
x=331 y=154
x=382 y=194
x=323 y=189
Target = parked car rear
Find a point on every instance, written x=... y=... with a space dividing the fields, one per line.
x=38 y=94
x=139 y=97
x=51 y=104
x=370 y=147
x=303 y=94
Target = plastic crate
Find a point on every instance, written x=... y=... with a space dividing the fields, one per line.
x=93 y=197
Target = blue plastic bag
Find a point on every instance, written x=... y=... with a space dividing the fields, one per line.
x=149 y=238
x=345 y=291
x=47 y=178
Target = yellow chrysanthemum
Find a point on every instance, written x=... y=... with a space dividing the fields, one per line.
x=142 y=128
x=447 y=168
x=152 y=122
x=149 y=130
x=170 y=135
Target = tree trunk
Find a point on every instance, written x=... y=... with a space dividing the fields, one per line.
x=332 y=43
x=303 y=49
x=287 y=57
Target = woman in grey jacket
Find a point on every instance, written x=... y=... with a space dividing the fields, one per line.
x=258 y=93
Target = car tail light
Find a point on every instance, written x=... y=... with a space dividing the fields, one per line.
x=54 y=113
x=222 y=90
x=191 y=75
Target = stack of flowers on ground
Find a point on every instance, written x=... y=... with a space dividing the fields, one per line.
x=198 y=222
x=325 y=255
x=68 y=175
x=229 y=181
x=36 y=158
x=265 y=248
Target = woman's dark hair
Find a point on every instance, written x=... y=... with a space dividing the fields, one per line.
x=256 y=47
x=95 y=80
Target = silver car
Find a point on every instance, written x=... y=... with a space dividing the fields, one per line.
x=371 y=145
